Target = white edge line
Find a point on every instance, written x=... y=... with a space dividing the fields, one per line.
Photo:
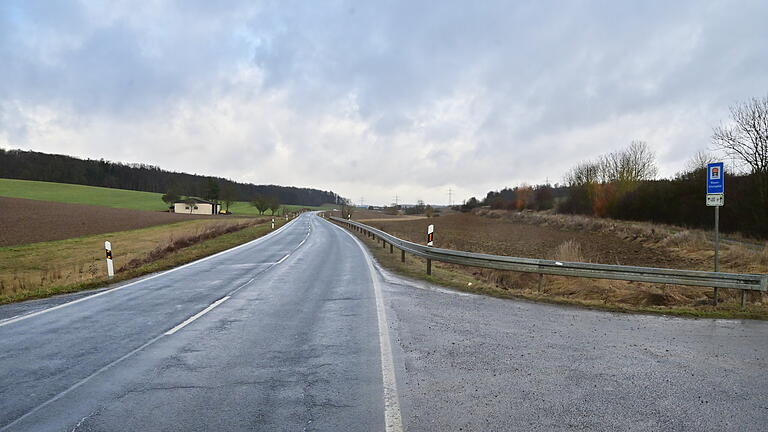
x=191 y=319
x=33 y=314
x=393 y=421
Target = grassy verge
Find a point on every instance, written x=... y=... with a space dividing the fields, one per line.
x=244 y=208
x=466 y=279
x=45 y=269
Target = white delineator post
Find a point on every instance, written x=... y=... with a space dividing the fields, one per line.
x=273 y=223
x=430 y=242
x=110 y=265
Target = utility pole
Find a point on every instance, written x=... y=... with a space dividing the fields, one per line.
x=361 y=201
x=396 y=200
x=450 y=197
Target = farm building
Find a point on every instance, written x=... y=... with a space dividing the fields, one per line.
x=194 y=205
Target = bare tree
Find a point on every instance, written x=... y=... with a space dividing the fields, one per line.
x=584 y=174
x=699 y=161
x=632 y=165
x=745 y=138
x=429 y=211
x=274 y=204
x=191 y=204
x=347 y=208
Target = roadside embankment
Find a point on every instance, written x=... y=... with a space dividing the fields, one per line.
x=513 y=238
x=43 y=269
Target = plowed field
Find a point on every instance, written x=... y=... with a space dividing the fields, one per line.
x=468 y=232
x=25 y=221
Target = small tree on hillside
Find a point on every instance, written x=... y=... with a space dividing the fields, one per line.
x=228 y=195
x=273 y=204
x=170 y=197
x=260 y=203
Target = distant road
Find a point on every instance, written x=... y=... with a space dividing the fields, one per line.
x=300 y=331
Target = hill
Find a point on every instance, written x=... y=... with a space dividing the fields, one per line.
x=99 y=196
x=36 y=166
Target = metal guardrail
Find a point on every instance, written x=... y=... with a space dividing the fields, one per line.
x=744 y=282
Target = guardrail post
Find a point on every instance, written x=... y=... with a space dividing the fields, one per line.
x=741 y=282
x=383 y=244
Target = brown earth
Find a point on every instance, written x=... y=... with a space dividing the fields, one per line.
x=480 y=234
x=559 y=237
x=25 y=221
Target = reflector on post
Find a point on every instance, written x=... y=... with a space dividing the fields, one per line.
x=110 y=265
x=430 y=235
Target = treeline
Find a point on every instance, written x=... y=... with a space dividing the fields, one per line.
x=29 y=165
x=612 y=187
x=623 y=184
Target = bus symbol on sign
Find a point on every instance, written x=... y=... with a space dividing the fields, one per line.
x=715 y=177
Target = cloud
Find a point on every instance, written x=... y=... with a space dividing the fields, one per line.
x=372 y=99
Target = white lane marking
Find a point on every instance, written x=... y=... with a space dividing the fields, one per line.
x=33 y=314
x=393 y=421
x=152 y=341
x=191 y=319
x=282 y=259
x=80 y=383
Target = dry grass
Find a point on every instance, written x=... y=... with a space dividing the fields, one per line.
x=174 y=244
x=40 y=269
x=691 y=240
x=556 y=236
x=569 y=251
x=642 y=231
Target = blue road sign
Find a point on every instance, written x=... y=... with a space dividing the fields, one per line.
x=715 y=178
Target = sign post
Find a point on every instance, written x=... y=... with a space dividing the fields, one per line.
x=110 y=265
x=716 y=199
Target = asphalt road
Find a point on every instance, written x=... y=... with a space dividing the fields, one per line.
x=301 y=331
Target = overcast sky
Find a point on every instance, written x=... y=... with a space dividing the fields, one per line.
x=376 y=99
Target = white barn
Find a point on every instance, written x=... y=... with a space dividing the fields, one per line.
x=196 y=206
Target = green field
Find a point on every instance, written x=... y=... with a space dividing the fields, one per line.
x=78 y=194
x=106 y=197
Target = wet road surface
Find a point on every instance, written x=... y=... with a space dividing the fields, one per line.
x=300 y=330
